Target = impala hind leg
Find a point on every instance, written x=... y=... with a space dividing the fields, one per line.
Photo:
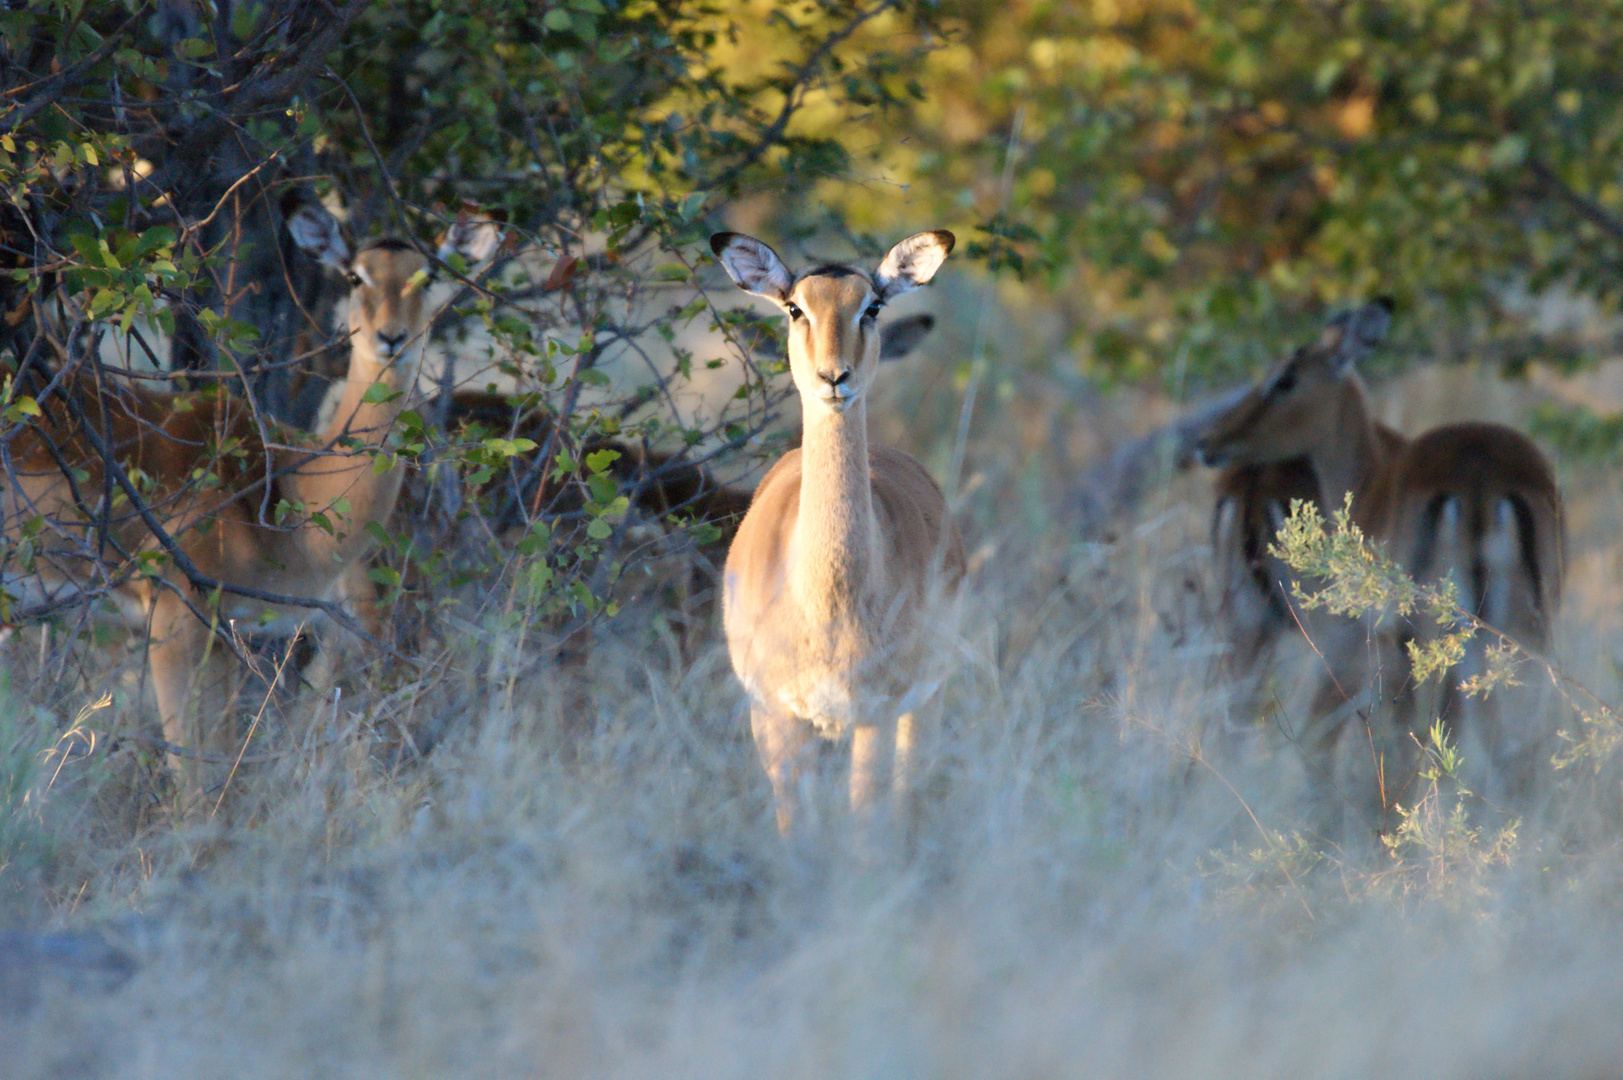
x=786 y=746
x=1514 y=723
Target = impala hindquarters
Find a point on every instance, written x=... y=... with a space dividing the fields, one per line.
x=838 y=584
x=1478 y=504
x=1475 y=502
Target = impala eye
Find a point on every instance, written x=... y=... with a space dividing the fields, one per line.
x=1285 y=383
x=354 y=279
x=873 y=310
x=794 y=310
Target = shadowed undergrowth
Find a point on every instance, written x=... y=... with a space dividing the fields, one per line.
x=582 y=878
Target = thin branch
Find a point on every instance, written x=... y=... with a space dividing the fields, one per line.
x=183 y=562
x=795 y=94
x=50 y=88
x=1585 y=207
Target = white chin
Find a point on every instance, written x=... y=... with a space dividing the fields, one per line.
x=838 y=404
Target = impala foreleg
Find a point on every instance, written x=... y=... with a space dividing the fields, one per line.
x=873 y=764
x=337 y=646
x=192 y=682
x=786 y=745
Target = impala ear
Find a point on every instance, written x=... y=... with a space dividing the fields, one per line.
x=316 y=232
x=1353 y=334
x=752 y=265
x=897 y=339
x=913 y=262
x=1371 y=322
x=474 y=238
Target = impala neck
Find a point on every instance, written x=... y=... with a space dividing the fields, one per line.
x=1351 y=455
x=836 y=554
x=344 y=470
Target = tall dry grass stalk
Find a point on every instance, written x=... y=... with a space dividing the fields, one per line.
x=582 y=879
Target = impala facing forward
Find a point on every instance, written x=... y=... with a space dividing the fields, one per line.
x=114 y=485
x=835 y=584
x=1476 y=503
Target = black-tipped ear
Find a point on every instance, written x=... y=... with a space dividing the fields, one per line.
x=897 y=339
x=753 y=266
x=315 y=231
x=1370 y=323
x=1353 y=334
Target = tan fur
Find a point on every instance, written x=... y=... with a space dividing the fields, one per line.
x=834 y=583
x=238 y=494
x=1474 y=502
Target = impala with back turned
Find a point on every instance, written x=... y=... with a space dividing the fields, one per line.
x=1473 y=503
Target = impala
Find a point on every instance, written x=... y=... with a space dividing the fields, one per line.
x=834 y=587
x=1251 y=503
x=1475 y=503
x=115 y=488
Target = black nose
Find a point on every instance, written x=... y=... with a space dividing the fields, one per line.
x=834 y=378
x=391 y=342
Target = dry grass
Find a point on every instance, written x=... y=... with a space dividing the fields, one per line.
x=582 y=879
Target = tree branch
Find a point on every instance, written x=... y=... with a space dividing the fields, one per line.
x=793 y=96
x=1585 y=207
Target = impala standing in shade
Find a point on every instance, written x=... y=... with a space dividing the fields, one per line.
x=251 y=504
x=1476 y=503
x=837 y=582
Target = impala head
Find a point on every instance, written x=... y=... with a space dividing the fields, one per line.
x=834 y=334
x=388 y=280
x=1285 y=414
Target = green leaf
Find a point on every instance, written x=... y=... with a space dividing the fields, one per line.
x=599 y=460
x=692 y=205
x=379 y=394
x=540 y=576
x=510 y=447
x=386 y=576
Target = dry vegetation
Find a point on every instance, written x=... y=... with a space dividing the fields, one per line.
x=583 y=879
